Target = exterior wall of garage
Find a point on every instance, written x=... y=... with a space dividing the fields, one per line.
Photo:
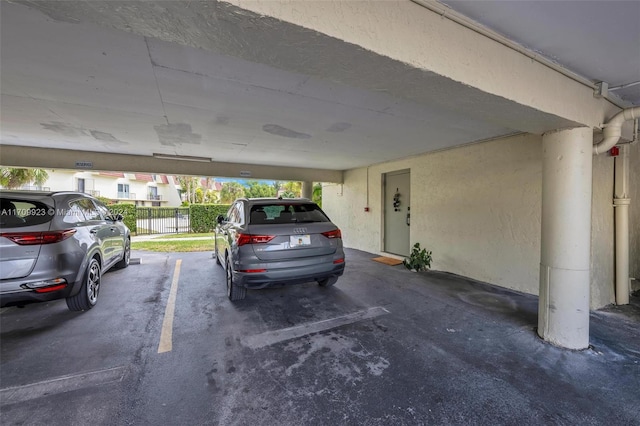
x=634 y=214
x=478 y=208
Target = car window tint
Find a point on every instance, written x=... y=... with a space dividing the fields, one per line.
x=18 y=213
x=74 y=214
x=103 y=210
x=89 y=209
x=283 y=213
x=232 y=216
x=240 y=213
x=236 y=213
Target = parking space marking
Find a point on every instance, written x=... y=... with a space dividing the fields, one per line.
x=271 y=337
x=166 y=337
x=61 y=384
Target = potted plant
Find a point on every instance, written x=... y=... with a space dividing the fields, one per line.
x=419 y=259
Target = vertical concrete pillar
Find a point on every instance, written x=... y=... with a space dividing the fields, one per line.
x=307 y=189
x=563 y=312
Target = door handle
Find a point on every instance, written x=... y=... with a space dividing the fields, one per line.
x=408 y=219
x=94 y=231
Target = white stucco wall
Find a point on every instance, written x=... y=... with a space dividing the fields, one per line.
x=634 y=214
x=478 y=209
x=107 y=186
x=61 y=180
x=602 y=233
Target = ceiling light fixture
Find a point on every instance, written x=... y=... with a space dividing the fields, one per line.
x=182 y=157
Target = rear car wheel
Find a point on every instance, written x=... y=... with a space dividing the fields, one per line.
x=87 y=297
x=327 y=282
x=127 y=255
x=215 y=252
x=234 y=292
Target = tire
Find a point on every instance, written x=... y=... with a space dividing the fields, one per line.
x=215 y=251
x=127 y=255
x=234 y=292
x=327 y=282
x=87 y=297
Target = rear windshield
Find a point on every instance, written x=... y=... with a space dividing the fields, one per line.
x=16 y=213
x=286 y=213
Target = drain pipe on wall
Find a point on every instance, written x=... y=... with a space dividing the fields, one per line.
x=621 y=200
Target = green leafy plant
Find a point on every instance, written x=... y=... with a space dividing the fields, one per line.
x=419 y=259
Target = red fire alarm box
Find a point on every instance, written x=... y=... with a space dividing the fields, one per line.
x=614 y=151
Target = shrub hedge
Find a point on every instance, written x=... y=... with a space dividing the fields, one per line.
x=203 y=216
x=128 y=212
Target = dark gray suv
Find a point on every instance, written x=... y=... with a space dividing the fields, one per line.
x=56 y=245
x=263 y=242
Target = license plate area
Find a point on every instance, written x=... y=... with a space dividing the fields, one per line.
x=299 y=240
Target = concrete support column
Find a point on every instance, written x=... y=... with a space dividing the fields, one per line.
x=563 y=312
x=307 y=189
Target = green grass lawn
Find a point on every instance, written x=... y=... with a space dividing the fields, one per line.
x=170 y=243
x=170 y=236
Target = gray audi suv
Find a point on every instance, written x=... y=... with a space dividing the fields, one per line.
x=56 y=245
x=263 y=242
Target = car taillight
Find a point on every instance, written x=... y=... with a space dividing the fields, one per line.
x=33 y=238
x=333 y=234
x=253 y=239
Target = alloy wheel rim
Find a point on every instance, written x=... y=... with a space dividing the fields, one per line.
x=127 y=252
x=93 y=283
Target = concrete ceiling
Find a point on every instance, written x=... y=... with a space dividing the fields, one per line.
x=210 y=79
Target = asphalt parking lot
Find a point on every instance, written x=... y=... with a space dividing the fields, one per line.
x=384 y=346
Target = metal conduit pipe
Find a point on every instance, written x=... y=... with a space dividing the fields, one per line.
x=621 y=200
x=613 y=129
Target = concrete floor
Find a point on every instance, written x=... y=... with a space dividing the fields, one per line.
x=385 y=346
x=454 y=351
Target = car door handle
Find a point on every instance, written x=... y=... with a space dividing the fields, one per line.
x=94 y=231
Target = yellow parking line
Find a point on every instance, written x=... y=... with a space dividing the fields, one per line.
x=167 y=324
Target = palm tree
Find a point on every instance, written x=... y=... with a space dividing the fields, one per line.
x=13 y=177
x=230 y=191
x=40 y=177
x=188 y=185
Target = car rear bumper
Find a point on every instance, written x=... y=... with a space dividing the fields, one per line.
x=286 y=276
x=27 y=296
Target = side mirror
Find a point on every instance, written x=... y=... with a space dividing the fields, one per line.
x=220 y=219
x=115 y=217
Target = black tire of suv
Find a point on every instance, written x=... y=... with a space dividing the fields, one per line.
x=327 y=282
x=127 y=255
x=215 y=252
x=234 y=292
x=81 y=301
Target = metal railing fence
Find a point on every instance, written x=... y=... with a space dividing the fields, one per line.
x=162 y=220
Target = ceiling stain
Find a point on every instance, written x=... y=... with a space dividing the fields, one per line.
x=176 y=134
x=222 y=120
x=274 y=129
x=105 y=137
x=339 y=127
x=65 y=129
x=71 y=131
